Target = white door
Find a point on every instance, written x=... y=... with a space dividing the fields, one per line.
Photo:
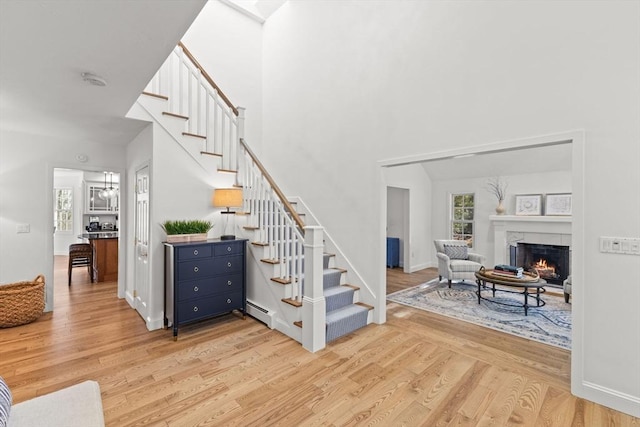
x=141 y=283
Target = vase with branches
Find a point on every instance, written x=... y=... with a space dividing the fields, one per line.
x=498 y=187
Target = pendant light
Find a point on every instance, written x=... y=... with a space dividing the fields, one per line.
x=111 y=192
x=103 y=193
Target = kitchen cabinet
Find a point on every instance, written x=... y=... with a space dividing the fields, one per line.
x=94 y=204
x=202 y=280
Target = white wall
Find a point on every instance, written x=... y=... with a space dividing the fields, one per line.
x=228 y=45
x=485 y=204
x=349 y=83
x=26 y=197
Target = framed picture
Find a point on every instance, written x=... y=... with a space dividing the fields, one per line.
x=529 y=204
x=557 y=204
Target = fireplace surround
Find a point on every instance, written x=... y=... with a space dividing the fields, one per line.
x=510 y=230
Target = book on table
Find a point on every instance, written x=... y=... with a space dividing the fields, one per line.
x=508 y=271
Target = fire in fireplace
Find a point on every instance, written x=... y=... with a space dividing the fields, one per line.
x=550 y=261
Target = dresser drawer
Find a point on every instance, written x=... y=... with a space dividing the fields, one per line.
x=193 y=252
x=209 y=306
x=209 y=286
x=229 y=264
x=231 y=248
x=190 y=270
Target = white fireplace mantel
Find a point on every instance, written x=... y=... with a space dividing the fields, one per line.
x=508 y=229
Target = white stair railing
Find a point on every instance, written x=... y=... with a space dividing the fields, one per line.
x=279 y=228
x=192 y=94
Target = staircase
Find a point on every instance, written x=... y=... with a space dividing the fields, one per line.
x=294 y=284
x=343 y=314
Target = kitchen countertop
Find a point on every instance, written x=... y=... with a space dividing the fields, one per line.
x=99 y=235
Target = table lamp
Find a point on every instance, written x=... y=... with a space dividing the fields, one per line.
x=227 y=198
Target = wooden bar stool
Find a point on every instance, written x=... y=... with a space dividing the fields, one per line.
x=80 y=255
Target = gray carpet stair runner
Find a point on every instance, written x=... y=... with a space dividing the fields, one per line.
x=343 y=316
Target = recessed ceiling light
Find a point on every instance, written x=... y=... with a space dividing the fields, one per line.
x=93 y=79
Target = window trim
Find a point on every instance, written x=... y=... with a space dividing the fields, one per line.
x=453 y=221
x=56 y=210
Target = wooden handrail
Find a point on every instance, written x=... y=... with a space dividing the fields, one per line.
x=208 y=78
x=275 y=187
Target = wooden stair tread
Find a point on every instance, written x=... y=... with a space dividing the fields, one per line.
x=208 y=153
x=292 y=302
x=362 y=304
x=155 y=95
x=281 y=281
x=260 y=243
x=244 y=213
x=249 y=227
x=195 y=135
x=354 y=287
x=298 y=323
x=271 y=261
x=227 y=170
x=342 y=270
x=179 y=116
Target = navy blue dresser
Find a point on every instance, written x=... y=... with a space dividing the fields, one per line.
x=393 y=252
x=203 y=280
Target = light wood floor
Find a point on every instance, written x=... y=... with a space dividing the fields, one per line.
x=416 y=369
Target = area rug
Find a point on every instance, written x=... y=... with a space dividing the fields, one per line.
x=550 y=324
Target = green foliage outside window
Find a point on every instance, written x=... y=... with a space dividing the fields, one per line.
x=462 y=212
x=63 y=210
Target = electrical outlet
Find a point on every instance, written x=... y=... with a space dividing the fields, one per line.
x=23 y=228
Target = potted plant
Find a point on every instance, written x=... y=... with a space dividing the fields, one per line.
x=186 y=230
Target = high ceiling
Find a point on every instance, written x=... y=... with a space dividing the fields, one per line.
x=46 y=45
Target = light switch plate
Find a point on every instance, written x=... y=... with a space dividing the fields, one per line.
x=23 y=228
x=620 y=245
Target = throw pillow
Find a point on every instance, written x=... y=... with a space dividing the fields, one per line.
x=456 y=251
x=5 y=403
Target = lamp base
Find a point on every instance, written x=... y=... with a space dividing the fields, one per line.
x=228 y=237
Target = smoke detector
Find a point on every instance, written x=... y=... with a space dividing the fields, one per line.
x=93 y=79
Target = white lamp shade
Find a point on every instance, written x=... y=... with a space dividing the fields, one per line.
x=227 y=198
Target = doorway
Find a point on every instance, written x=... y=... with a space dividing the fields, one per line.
x=398 y=223
x=85 y=208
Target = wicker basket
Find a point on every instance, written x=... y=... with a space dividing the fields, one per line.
x=21 y=302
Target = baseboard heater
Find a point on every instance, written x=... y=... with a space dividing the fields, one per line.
x=264 y=315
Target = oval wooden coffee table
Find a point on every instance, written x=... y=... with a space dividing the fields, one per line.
x=530 y=283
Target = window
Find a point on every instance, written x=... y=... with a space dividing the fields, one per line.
x=462 y=207
x=63 y=210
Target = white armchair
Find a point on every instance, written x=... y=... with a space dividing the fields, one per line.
x=455 y=262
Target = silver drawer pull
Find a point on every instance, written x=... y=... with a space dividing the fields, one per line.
x=196 y=269
x=229 y=264
x=228 y=300
x=195 y=252
x=229 y=282
x=228 y=248
x=195 y=308
x=195 y=289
